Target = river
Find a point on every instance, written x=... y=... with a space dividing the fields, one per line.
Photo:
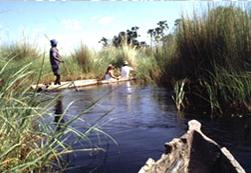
x=135 y=122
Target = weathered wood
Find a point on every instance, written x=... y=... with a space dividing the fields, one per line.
x=193 y=152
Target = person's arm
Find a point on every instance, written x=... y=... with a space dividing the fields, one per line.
x=112 y=75
x=56 y=56
x=60 y=58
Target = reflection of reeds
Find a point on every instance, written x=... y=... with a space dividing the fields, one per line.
x=28 y=144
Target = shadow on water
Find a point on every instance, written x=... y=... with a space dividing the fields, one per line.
x=141 y=119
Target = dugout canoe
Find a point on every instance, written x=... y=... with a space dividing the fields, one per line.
x=76 y=84
x=193 y=152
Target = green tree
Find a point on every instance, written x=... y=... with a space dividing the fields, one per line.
x=104 y=41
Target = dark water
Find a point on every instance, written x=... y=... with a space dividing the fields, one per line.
x=140 y=119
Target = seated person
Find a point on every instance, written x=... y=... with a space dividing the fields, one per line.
x=109 y=73
x=125 y=70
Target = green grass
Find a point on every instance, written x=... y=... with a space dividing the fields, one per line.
x=207 y=62
x=28 y=143
x=20 y=50
x=85 y=63
x=207 y=58
x=213 y=52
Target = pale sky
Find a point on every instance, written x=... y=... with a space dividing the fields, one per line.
x=72 y=22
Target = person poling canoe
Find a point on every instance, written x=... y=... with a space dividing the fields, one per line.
x=55 y=61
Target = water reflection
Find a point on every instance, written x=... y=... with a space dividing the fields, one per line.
x=241 y=130
x=142 y=119
x=59 y=117
x=129 y=96
x=128 y=87
x=87 y=152
x=246 y=132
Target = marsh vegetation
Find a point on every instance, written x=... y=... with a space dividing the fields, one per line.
x=205 y=61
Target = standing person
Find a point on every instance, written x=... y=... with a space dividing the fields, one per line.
x=109 y=73
x=55 y=61
x=125 y=71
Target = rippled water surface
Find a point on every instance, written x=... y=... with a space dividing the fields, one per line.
x=135 y=122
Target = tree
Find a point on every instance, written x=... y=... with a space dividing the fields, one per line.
x=152 y=34
x=104 y=41
x=116 y=41
x=132 y=36
x=157 y=34
x=160 y=30
x=127 y=38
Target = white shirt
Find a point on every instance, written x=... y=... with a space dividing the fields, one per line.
x=107 y=77
x=125 y=71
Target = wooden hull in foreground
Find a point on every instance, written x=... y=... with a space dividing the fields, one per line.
x=193 y=152
x=75 y=84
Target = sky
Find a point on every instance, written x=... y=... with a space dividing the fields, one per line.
x=74 y=22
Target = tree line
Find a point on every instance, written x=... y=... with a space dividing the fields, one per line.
x=158 y=35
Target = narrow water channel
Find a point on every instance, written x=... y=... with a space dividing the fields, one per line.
x=139 y=119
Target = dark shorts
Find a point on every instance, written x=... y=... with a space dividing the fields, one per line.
x=56 y=70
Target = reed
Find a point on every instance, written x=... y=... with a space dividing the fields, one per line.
x=148 y=68
x=21 y=50
x=83 y=56
x=85 y=63
x=28 y=143
x=115 y=56
x=213 y=52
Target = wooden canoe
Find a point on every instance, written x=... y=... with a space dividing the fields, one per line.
x=114 y=81
x=193 y=152
x=75 y=84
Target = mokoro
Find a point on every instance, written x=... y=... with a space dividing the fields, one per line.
x=193 y=152
x=75 y=84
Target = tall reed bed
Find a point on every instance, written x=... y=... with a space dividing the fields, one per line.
x=150 y=65
x=85 y=63
x=115 y=56
x=97 y=62
x=213 y=54
x=19 y=142
x=20 y=50
x=29 y=144
x=146 y=63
